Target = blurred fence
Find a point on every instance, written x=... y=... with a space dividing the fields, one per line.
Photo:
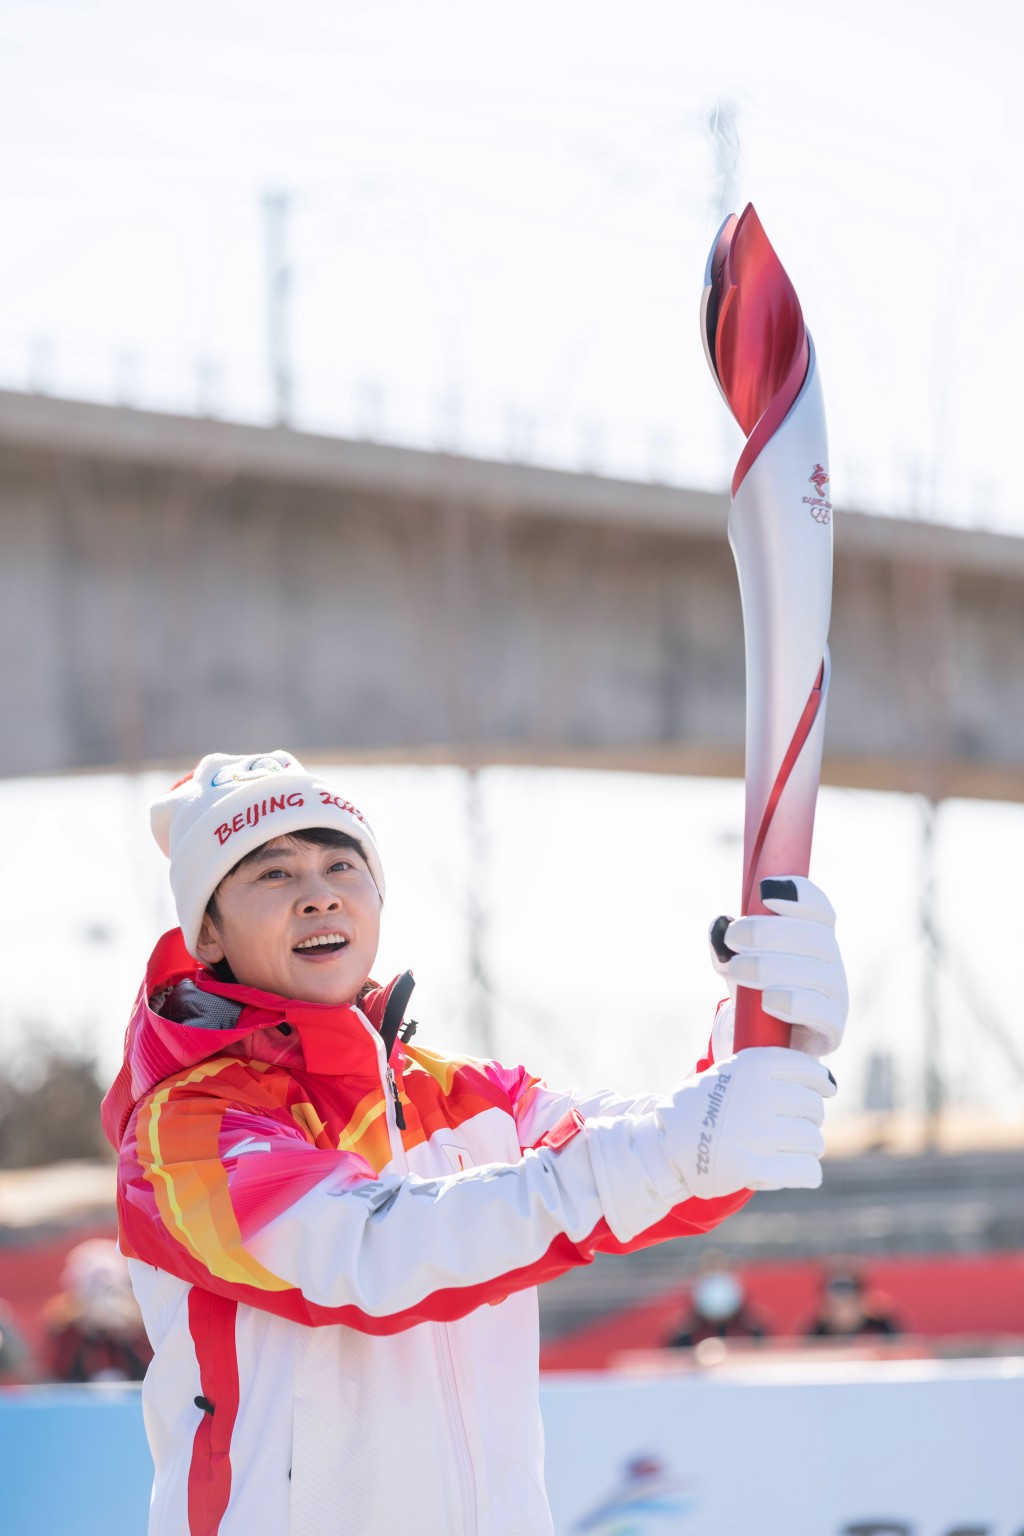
x=671 y=451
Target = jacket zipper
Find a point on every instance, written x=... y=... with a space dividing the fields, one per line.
x=442 y=1341
x=399 y=1115
x=456 y=1427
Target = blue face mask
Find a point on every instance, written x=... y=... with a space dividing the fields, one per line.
x=717 y=1296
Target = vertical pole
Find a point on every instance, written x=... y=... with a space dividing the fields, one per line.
x=934 y=1088
x=481 y=1013
x=275 y=210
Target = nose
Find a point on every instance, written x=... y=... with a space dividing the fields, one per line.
x=317 y=895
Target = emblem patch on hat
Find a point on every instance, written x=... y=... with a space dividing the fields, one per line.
x=254 y=768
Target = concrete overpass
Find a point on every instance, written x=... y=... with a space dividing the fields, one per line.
x=170 y=585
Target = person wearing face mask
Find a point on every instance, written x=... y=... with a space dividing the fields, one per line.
x=718 y=1308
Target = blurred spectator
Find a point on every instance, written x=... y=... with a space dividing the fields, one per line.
x=718 y=1308
x=16 y=1364
x=94 y=1325
x=849 y=1308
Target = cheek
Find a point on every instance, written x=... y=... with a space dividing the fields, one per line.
x=371 y=922
x=253 y=932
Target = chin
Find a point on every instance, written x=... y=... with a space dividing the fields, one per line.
x=334 y=990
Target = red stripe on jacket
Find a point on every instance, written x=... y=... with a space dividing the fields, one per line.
x=211 y=1321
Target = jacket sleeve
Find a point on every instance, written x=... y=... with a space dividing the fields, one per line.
x=225 y=1190
x=540 y=1112
x=220 y=1185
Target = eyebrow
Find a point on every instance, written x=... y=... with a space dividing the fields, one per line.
x=262 y=855
x=259 y=854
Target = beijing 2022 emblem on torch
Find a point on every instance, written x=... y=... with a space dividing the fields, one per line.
x=780 y=529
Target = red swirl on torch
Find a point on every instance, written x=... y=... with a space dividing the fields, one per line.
x=763 y=360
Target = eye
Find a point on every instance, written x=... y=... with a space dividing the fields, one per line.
x=342 y=864
x=274 y=874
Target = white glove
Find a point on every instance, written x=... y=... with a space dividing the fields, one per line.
x=752 y=1121
x=792 y=959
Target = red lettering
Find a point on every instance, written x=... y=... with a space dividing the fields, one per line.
x=326 y=798
x=253 y=814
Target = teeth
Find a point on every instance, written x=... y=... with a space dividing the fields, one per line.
x=322 y=938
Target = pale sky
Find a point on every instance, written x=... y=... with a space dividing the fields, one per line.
x=500 y=216
x=510 y=206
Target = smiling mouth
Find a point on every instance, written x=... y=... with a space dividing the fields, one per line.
x=320 y=944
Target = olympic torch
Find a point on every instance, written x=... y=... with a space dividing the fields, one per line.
x=780 y=530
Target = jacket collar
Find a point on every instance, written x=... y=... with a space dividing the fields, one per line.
x=331 y=1040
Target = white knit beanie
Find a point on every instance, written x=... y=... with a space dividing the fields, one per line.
x=230 y=805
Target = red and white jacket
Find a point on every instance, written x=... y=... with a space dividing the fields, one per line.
x=336 y=1258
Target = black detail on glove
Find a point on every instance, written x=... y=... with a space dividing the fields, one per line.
x=778 y=890
x=717 y=937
